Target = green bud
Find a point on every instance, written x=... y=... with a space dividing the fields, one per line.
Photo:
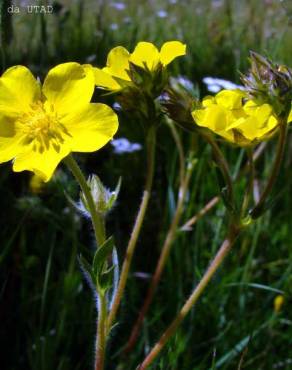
x=104 y=199
x=267 y=82
x=178 y=105
x=139 y=98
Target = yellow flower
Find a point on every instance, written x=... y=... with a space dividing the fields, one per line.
x=40 y=125
x=278 y=303
x=237 y=119
x=115 y=75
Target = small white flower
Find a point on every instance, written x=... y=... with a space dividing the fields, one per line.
x=117 y=107
x=216 y=84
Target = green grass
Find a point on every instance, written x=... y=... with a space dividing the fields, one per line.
x=47 y=312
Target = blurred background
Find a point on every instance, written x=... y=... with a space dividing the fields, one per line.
x=46 y=310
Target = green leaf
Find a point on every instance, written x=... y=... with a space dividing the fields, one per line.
x=105 y=279
x=101 y=255
x=87 y=270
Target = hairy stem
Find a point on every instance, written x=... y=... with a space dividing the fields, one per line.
x=97 y=220
x=101 y=333
x=151 y=142
x=99 y=231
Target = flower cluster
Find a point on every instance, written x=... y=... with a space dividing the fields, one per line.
x=118 y=72
x=234 y=117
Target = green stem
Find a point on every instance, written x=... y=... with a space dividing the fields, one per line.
x=217 y=261
x=180 y=149
x=222 y=164
x=101 y=333
x=275 y=170
x=151 y=142
x=97 y=220
x=249 y=188
x=168 y=242
x=99 y=231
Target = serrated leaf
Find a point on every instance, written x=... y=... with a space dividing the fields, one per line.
x=101 y=255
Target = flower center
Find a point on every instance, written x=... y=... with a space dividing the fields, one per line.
x=42 y=128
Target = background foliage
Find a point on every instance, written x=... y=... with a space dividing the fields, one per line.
x=46 y=312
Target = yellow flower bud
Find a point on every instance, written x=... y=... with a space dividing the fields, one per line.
x=278 y=303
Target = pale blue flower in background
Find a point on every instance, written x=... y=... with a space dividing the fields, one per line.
x=117 y=107
x=118 y=5
x=185 y=82
x=114 y=26
x=216 y=84
x=123 y=145
x=162 y=13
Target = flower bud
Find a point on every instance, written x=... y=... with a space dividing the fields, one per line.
x=267 y=82
x=178 y=105
x=104 y=199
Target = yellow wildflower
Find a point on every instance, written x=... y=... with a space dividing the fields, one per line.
x=278 y=303
x=40 y=125
x=237 y=119
x=115 y=75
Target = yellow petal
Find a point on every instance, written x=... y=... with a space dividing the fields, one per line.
x=208 y=100
x=260 y=112
x=11 y=140
x=18 y=90
x=199 y=116
x=68 y=87
x=252 y=129
x=230 y=99
x=105 y=80
x=290 y=117
x=118 y=63
x=145 y=53
x=42 y=163
x=92 y=128
x=171 y=50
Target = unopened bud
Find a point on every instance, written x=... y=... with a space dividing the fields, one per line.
x=104 y=199
x=178 y=105
x=267 y=82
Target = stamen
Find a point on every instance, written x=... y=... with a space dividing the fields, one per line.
x=42 y=128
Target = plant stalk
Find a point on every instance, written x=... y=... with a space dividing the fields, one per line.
x=162 y=260
x=99 y=231
x=216 y=263
x=222 y=164
x=151 y=143
x=275 y=170
x=97 y=220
